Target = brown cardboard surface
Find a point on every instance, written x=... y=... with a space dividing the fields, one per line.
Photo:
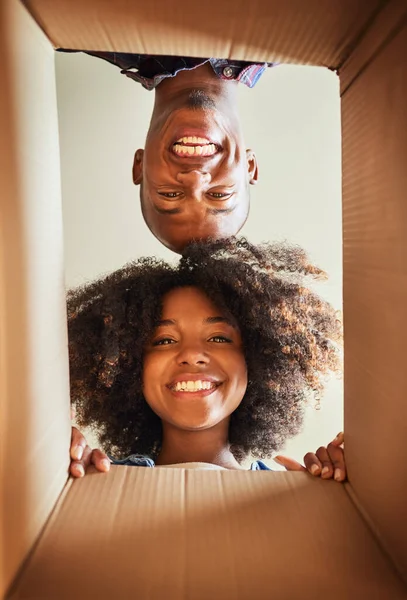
x=35 y=427
x=383 y=28
x=173 y=533
x=319 y=32
x=375 y=290
x=186 y=534
x=11 y=385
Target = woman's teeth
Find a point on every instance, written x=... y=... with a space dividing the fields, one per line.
x=193 y=386
x=189 y=146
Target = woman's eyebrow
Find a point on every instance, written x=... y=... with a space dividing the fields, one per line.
x=165 y=322
x=214 y=320
x=207 y=321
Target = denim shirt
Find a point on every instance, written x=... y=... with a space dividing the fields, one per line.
x=137 y=460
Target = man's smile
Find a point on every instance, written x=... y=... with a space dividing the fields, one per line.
x=192 y=146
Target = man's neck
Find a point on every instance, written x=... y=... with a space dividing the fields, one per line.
x=207 y=446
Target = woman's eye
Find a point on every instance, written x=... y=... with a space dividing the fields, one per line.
x=220 y=339
x=164 y=342
x=170 y=194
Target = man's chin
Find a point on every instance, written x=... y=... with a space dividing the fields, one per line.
x=198 y=99
x=178 y=246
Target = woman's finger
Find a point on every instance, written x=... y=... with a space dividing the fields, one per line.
x=337 y=459
x=100 y=460
x=327 y=469
x=78 y=467
x=339 y=440
x=78 y=444
x=289 y=463
x=313 y=464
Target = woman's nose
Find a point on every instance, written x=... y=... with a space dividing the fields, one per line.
x=192 y=355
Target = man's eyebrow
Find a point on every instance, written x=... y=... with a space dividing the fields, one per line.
x=167 y=211
x=218 y=211
x=177 y=211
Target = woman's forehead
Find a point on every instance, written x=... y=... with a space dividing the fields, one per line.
x=189 y=300
x=191 y=304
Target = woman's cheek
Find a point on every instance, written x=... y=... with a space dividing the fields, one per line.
x=153 y=373
x=147 y=375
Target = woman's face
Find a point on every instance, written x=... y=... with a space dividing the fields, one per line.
x=194 y=373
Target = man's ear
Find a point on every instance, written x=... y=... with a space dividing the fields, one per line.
x=252 y=167
x=138 y=167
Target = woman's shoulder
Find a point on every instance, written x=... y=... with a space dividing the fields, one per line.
x=259 y=465
x=134 y=460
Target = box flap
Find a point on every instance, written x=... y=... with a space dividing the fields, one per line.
x=174 y=533
x=382 y=29
x=34 y=392
x=374 y=117
x=318 y=32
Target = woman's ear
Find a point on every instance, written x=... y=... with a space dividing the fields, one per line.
x=138 y=167
x=252 y=167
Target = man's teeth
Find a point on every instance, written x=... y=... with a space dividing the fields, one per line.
x=193 y=386
x=192 y=145
x=193 y=140
x=206 y=150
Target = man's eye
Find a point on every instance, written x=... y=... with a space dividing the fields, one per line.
x=170 y=194
x=164 y=342
x=219 y=194
x=220 y=339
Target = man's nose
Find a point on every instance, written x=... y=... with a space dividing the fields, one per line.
x=192 y=355
x=194 y=179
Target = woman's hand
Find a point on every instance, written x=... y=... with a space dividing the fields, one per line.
x=327 y=462
x=82 y=455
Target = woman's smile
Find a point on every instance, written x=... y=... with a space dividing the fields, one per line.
x=193 y=385
x=188 y=390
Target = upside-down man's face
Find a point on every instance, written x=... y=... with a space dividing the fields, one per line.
x=194 y=175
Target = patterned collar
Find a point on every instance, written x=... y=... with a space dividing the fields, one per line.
x=150 y=71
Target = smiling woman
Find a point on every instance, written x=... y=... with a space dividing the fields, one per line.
x=194 y=374
x=208 y=361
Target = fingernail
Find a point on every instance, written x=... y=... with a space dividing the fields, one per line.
x=338 y=475
x=80 y=470
x=77 y=452
x=314 y=469
x=278 y=461
x=325 y=471
x=105 y=463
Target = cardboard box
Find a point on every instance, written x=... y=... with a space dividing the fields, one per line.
x=170 y=533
